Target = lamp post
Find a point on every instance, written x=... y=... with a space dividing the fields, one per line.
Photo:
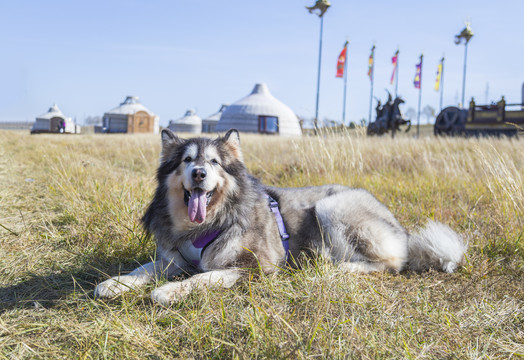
x=322 y=6
x=466 y=34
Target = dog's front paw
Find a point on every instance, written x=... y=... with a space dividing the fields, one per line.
x=114 y=286
x=171 y=292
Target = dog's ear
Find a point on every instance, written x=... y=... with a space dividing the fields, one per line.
x=232 y=136
x=169 y=137
x=232 y=141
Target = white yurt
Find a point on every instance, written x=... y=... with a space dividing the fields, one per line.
x=522 y=103
x=260 y=112
x=189 y=123
x=54 y=121
x=130 y=117
x=209 y=124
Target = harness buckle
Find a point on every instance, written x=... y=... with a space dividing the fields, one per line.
x=274 y=208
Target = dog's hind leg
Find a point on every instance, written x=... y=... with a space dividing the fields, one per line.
x=175 y=291
x=137 y=278
x=361 y=233
x=379 y=246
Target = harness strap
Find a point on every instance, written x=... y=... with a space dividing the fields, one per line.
x=284 y=236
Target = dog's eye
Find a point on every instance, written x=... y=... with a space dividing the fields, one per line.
x=187 y=159
x=214 y=161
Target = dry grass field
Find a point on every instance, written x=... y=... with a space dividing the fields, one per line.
x=69 y=218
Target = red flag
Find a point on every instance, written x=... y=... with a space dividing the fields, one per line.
x=394 y=61
x=341 y=63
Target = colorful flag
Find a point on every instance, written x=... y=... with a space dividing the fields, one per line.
x=341 y=63
x=371 y=62
x=418 y=74
x=394 y=61
x=439 y=75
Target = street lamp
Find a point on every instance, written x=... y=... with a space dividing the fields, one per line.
x=466 y=34
x=322 y=6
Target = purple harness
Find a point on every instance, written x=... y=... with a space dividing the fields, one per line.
x=192 y=251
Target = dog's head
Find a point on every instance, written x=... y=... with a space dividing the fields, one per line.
x=198 y=174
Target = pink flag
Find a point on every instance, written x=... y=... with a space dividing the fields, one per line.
x=394 y=61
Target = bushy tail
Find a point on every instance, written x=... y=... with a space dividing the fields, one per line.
x=436 y=246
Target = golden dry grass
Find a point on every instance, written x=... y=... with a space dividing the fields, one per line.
x=69 y=217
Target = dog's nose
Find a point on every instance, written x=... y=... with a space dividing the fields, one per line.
x=199 y=174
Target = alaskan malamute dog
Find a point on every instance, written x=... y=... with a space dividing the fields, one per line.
x=211 y=218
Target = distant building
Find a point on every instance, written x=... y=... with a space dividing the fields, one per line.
x=209 y=124
x=54 y=121
x=189 y=123
x=16 y=125
x=130 y=117
x=260 y=112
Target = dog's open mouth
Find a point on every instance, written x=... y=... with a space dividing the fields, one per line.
x=197 y=201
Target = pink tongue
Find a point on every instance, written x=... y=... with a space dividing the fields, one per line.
x=197 y=206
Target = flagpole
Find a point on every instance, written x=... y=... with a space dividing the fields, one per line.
x=441 y=82
x=418 y=113
x=370 y=101
x=372 y=79
x=419 y=97
x=345 y=84
x=319 y=66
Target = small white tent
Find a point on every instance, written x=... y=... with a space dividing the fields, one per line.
x=209 y=124
x=54 y=121
x=189 y=123
x=260 y=112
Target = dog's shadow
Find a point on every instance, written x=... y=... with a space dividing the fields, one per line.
x=47 y=291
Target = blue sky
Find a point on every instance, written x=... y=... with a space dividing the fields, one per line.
x=86 y=56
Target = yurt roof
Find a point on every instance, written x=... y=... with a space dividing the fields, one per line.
x=259 y=102
x=216 y=116
x=53 y=111
x=130 y=106
x=189 y=118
